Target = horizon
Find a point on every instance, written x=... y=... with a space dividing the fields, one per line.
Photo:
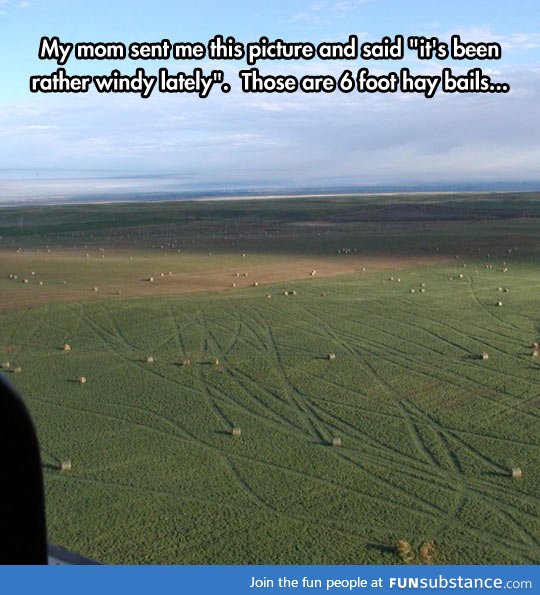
x=251 y=142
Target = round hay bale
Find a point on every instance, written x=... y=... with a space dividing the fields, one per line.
x=483 y=356
x=81 y=380
x=499 y=304
x=17 y=370
x=216 y=361
x=413 y=290
x=150 y=279
x=336 y=441
x=313 y=273
x=64 y=465
x=255 y=284
x=236 y=432
x=517 y=473
x=535 y=345
x=535 y=353
x=66 y=347
x=268 y=296
x=41 y=282
x=186 y=362
x=331 y=357
x=25 y=280
x=96 y=289
x=5 y=365
x=149 y=359
x=233 y=284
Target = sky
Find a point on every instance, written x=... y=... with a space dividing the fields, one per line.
x=69 y=144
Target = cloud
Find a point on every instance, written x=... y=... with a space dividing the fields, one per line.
x=326 y=11
x=509 y=41
x=270 y=141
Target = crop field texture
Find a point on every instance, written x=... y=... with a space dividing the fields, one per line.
x=341 y=339
x=430 y=433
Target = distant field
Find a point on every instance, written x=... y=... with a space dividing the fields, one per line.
x=429 y=432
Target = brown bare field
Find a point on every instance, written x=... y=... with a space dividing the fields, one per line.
x=129 y=272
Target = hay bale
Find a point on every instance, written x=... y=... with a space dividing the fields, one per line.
x=336 y=441
x=41 y=282
x=66 y=347
x=96 y=289
x=517 y=473
x=499 y=304
x=233 y=284
x=25 y=280
x=535 y=345
x=483 y=356
x=313 y=273
x=293 y=292
x=535 y=353
x=5 y=365
x=413 y=290
x=65 y=465
x=150 y=279
x=186 y=362
x=81 y=380
x=331 y=357
x=236 y=432
x=17 y=370
x=422 y=290
x=268 y=296
x=255 y=284
x=499 y=288
x=216 y=361
x=149 y=359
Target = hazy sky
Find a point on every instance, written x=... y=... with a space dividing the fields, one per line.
x=182 y=142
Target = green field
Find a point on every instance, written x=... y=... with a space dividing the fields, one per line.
x=430 y=432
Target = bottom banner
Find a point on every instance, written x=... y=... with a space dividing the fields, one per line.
x=237 y=580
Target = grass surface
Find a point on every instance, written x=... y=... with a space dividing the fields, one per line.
x=429 y=432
